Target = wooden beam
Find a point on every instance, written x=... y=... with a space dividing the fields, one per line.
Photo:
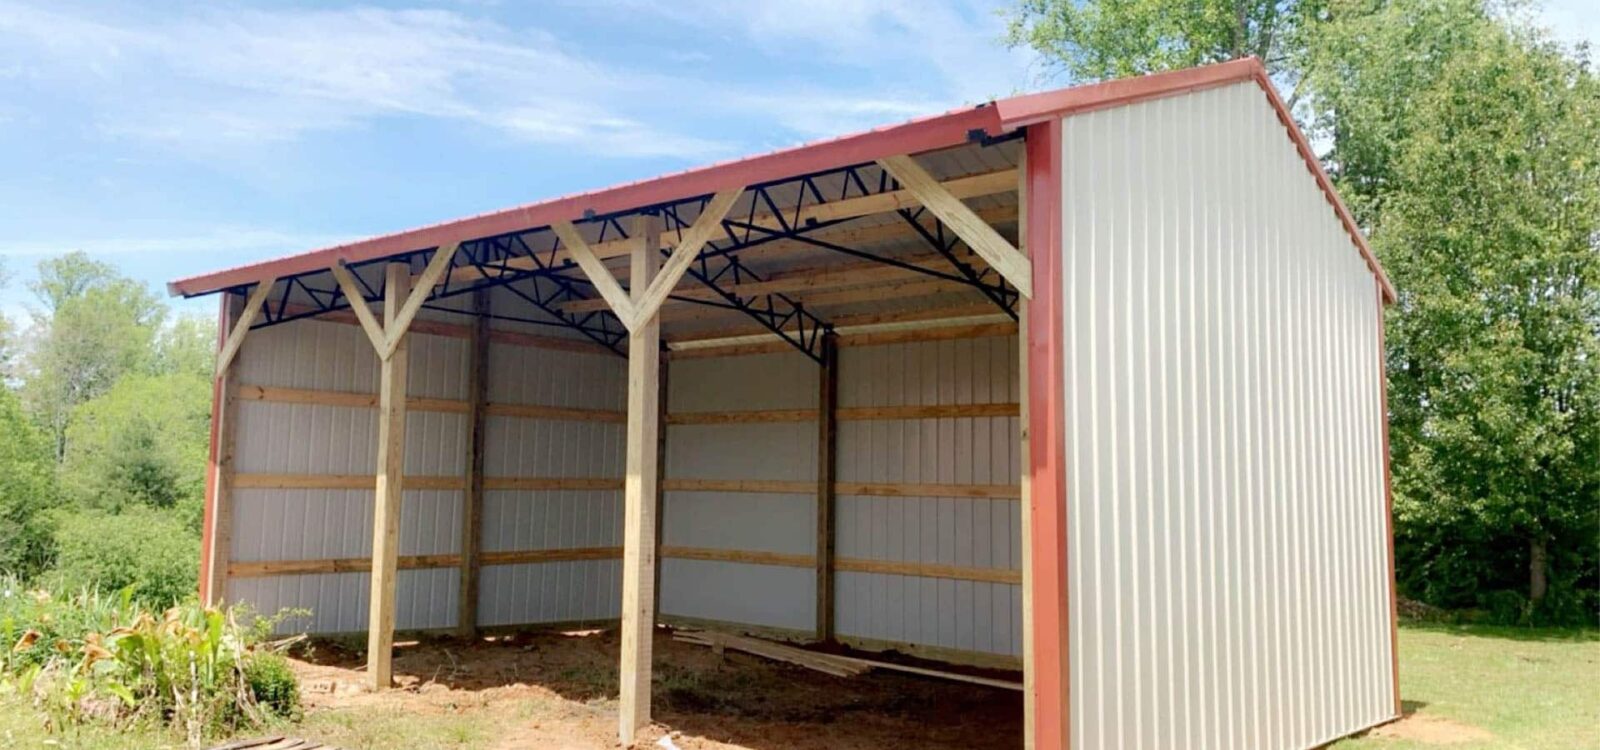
x=1025 y=489
x=477 y=430
x=520 y=557
x=927 y=570
x=850 y=564
x=612 y=292
x=390 y=482
x=974 y=231
x=396 y=326
x=536 y=484
x=793 y=282
x=705 y=227
x=263 y=568
x=558 y=413
x=827 y=455
x=639 y=492
x=749 y=557
x=358 y=306
x=252 y=308
x=872 y=338
x=850 y=414
x=219 y=518
x=840 y=322
x=263 y=481
x=759 y=486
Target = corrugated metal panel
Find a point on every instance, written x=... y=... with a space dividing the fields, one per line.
x=338 y=601
x=972 y=533
x=739 y=592
x=517 y=520
x=1225 y=499
x=280 y=438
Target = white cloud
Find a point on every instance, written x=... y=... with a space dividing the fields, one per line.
x=250 y=76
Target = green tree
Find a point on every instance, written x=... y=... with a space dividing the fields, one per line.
x=142 y=443
x=187 y=345
x=1490 y=225
x=1116 y=38
x=96 y=326
x=27 y=491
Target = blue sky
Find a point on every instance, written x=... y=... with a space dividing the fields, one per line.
x=175 y=138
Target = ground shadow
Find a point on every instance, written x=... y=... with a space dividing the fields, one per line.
x=734 y=697
x=1506 y=632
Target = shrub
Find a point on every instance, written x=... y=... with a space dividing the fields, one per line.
x=94 y=657
x=151 y=551
x=27 y=488
x=273 y=685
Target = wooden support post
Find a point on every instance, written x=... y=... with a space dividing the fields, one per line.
x=1025 y=484
x=664 y=387
x=827 y=454
x=639 y=492
x=391 y=471
x=218 y=521
x=472 y=504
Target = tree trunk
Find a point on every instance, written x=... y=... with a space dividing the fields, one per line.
x=1537 y=581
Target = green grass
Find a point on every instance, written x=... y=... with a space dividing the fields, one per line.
x=1529 y=689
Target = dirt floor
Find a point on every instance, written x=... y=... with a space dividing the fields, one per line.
x=557 y=691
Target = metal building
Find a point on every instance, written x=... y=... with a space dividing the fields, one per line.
x=1086 y=383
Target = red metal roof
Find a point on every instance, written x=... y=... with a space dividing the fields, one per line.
x=923 y=134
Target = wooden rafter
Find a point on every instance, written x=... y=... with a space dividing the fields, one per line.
x=638 y=306
x=252 y=308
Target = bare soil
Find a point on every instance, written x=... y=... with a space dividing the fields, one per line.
x=1425 y=729
x=558 y=690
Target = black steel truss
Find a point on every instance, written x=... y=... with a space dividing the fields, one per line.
x=538 y=277
x=1003 y=295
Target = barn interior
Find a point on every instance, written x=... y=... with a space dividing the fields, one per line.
x=838 y=424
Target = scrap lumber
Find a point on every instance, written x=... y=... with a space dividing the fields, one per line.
x=833 y=664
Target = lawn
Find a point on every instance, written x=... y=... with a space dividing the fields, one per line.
x=1525 y=689
x=1466 y=688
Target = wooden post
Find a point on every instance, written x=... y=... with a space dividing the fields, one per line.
x=218 y=520
x=639 y=491
x=1025 y=483
x=664 y=387
x=472 y=504
x=391 y=466
x=827 y=454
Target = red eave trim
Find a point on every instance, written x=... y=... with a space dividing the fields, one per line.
x=1385 y=287
x=1020 y=111
x=939 y=131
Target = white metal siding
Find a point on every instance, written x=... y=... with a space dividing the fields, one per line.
x=1226 y=554
x=972 y=533
x=769 y=595
x=309 y=524
x=520 y=520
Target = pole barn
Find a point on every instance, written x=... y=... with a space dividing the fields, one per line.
x=1087 y=383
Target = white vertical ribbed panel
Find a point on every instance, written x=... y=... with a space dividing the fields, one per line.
x=1226 y=557
x=965 y=532
x=770 y=595
x=521 y=520
x=281 y=438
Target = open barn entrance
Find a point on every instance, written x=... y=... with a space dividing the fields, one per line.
x=790 y=410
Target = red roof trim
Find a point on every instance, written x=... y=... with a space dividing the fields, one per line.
x=925 y=134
